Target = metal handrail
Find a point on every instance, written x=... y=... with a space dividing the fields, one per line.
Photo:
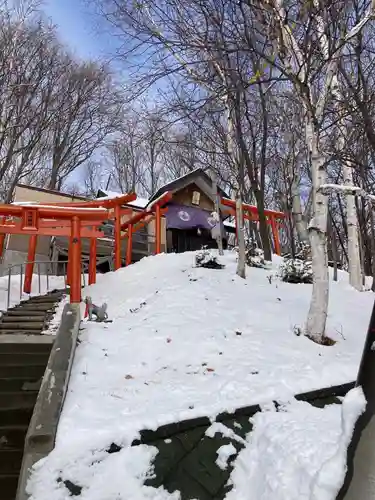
x=38 y=263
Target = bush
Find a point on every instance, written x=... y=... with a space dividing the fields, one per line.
x=205 y=258
x=296 y=271
x=254 y=256
x=303 y=252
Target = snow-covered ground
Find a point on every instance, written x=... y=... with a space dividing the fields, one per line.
x=187 y=342
x=297 y=453
x=16 y=293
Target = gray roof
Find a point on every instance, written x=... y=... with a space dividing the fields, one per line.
x=198 y=176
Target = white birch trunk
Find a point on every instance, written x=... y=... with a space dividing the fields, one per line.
x=354 y=264
x=317 y=316
x=241 y=263
x=298 y=219
x=355 y=273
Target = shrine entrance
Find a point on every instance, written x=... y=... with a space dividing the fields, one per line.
x=187 y=240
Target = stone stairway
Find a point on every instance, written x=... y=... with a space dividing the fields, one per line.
x=24 y=354
x=30 y=316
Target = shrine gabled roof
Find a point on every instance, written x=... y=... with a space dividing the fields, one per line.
x=197 y=176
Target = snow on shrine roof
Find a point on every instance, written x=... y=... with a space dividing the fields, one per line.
x=109 y=195
x=155 y=201
x=53 y=207
x=138 y=203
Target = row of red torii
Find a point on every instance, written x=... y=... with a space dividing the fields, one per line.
x=77 y=220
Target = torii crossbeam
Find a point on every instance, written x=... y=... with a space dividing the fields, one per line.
x=251 y=213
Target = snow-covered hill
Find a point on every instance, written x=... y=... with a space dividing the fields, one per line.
x=187 y=342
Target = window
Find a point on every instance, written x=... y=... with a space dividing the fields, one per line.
x=196 y=198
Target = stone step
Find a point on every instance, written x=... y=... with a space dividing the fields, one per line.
x=31 y=313
x=24 y=346
x=21 y=325
x=23 y=358
x=14 y=331
x=39 y=302
x=24 y=372
x=18 y=400
x=19 y=416
x=42 y=299
x=8 y=486
x=20 y=384
x=30 y=318
x=12 y=437
x=35 y=307
x=10 y=461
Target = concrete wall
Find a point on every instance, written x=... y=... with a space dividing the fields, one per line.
x=12 y=257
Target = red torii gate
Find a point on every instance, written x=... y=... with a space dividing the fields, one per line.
x=153 y=211
x=74 y=220
x=251 y=213
x=35 y=220
x=77 y=220
x=114 y=204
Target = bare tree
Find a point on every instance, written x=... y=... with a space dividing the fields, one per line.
x=54 y=111
x=94 y=177
x=124 y=156
x=28 y=75
x=86 y=111
x=153 y=143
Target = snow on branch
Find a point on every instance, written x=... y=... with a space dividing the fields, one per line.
x=339 y=188
x=346 y=190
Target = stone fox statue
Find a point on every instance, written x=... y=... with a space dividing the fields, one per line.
x=100 y=312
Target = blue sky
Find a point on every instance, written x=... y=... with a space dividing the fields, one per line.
x=77 y=27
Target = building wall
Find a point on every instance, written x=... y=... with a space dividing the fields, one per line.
x=185 y=197
x=14 y=257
